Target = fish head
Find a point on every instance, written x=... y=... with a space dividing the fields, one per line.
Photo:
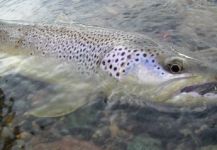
x=164 y=75
x=163 y=68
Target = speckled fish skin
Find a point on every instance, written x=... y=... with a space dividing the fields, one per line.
x=115 y=52
x=140 y=64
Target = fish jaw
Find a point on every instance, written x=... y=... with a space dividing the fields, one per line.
x=172 y=93
x=186 y=92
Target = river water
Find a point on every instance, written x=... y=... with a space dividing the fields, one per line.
x=190 y=24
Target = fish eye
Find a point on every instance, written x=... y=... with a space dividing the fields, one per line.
x=175 y=66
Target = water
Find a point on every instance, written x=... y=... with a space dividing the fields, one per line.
x=191 y=24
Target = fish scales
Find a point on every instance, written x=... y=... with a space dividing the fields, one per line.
x=88 y=47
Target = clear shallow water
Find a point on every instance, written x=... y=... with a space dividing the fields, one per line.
x=188 y=23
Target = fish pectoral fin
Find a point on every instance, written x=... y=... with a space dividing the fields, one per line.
x=63 y=103
x=58 y=108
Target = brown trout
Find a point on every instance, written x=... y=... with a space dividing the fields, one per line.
x=136 y=64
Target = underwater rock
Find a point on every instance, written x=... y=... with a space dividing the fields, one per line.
x=66 y=143
x=85 y=120
x=7 y=133
x=210 y=147
x=144 y=143
x=20 y=105
x=20 y=145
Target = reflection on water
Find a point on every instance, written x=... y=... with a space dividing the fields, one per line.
x=191 y=24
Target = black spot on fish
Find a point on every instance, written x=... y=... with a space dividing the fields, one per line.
x=103 y=62
x=144 y=55
x=129 y=56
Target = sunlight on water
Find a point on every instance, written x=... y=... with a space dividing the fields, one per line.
x=27 y=82
x=15 y=10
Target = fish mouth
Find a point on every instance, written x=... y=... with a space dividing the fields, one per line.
x=201 y=89
x=189 y=91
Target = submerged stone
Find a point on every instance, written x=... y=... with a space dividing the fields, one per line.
x=144 y=143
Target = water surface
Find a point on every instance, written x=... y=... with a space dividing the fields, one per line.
x=191 y=24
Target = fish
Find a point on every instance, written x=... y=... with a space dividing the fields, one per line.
x=126 y=62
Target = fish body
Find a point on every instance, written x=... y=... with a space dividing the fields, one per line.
x=139 y=64
x=90 y=48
